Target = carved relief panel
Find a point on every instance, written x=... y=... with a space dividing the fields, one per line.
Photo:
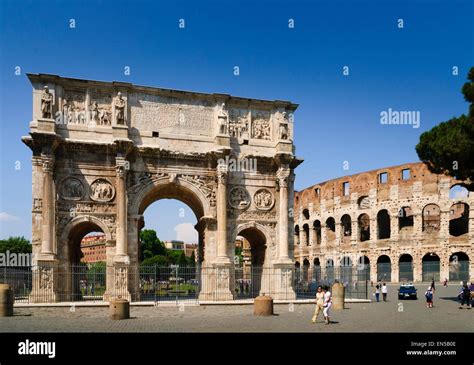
x=74 y=107
x=260 y=126
x=238 y=123
x=71 y=188
x=263 y=199
x=102 y=190
x=239 y=198
x=101 y=108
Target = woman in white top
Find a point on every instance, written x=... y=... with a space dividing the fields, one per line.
x=384 y=292
x=327 y=304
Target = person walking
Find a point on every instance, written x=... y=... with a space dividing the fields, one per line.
x=377 y=293
x=445 y=282
x=327 y=304
x=465 y=297
x=319 y=303
x=433 y=285
x=429 y=297
x=384 y=292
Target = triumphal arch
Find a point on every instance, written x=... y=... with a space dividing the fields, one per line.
x=104 y=151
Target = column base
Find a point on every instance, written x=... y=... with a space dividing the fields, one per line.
x=284 y=261
x=45 y=282
x=217 y=282
x=282 y=284
x=121 y=282
x=122 y=259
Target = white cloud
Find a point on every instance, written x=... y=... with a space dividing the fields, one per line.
x=5 y=217
x=185 y=232
x=461 y=194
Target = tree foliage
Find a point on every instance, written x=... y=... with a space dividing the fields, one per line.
x=448 y=148
x=150 y=244
x=15 y=245
x=154 y=253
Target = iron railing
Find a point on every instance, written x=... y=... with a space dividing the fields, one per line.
x=174 y=283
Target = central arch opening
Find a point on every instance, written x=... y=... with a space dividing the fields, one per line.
x=169 y=244
x=250 y=277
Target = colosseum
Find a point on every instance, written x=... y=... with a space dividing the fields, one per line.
x=397 y=224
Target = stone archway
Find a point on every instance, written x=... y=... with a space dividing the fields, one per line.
x=75 y=274
x=229 y=159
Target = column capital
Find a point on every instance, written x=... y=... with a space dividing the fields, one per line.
x=222 y=173
x=282 y=175
x=121 y=166
x=48 y=164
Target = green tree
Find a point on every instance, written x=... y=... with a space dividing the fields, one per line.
x=173 y=256
x=15 y=245
x=150 y=244
x=448 y=148
x=158 y=260
x=192 y=260
x=182 y=261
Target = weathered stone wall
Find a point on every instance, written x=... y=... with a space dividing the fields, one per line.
x=368 y=195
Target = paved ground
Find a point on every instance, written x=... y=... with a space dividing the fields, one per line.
x=392 y=316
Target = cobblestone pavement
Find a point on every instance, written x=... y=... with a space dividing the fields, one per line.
x=391 y=316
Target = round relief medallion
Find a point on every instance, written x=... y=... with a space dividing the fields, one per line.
x=263 y=199
x=239 y=198
x=72 y=189
x=102 y=190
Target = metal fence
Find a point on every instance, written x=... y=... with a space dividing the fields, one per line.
x=354 y=278
x=405 y=272
x=174 y=283
x=430 y=271
x=171 y=283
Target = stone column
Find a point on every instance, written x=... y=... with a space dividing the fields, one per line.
x=48 y=210
x=417 y=225
x=222 y=175
x=338 y=233
x=417 y=268
x=282 y=175
x=312 y=237
x=304 y=237
x=373 y=229
x=121 y=227
x=394 y=228
x=394 y=272
x=444 y=224
x=355 y=232
x=324 y=238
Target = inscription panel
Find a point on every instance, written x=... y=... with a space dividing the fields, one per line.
x=171 y=115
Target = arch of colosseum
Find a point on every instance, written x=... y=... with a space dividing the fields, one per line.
x=104 y=151
x=398 y=222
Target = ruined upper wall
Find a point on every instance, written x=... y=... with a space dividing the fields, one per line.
x=154 y=117
x=421 y=182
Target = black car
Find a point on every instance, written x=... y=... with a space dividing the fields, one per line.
x=407 y=291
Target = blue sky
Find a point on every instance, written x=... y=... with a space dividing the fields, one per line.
x=339 y=116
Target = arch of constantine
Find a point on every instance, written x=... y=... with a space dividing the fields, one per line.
x=104 y=151
x=400 y=223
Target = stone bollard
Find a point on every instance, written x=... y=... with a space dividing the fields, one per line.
x=263 y=306
x=6 y=300
x=338 y=295
x=119 y=309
